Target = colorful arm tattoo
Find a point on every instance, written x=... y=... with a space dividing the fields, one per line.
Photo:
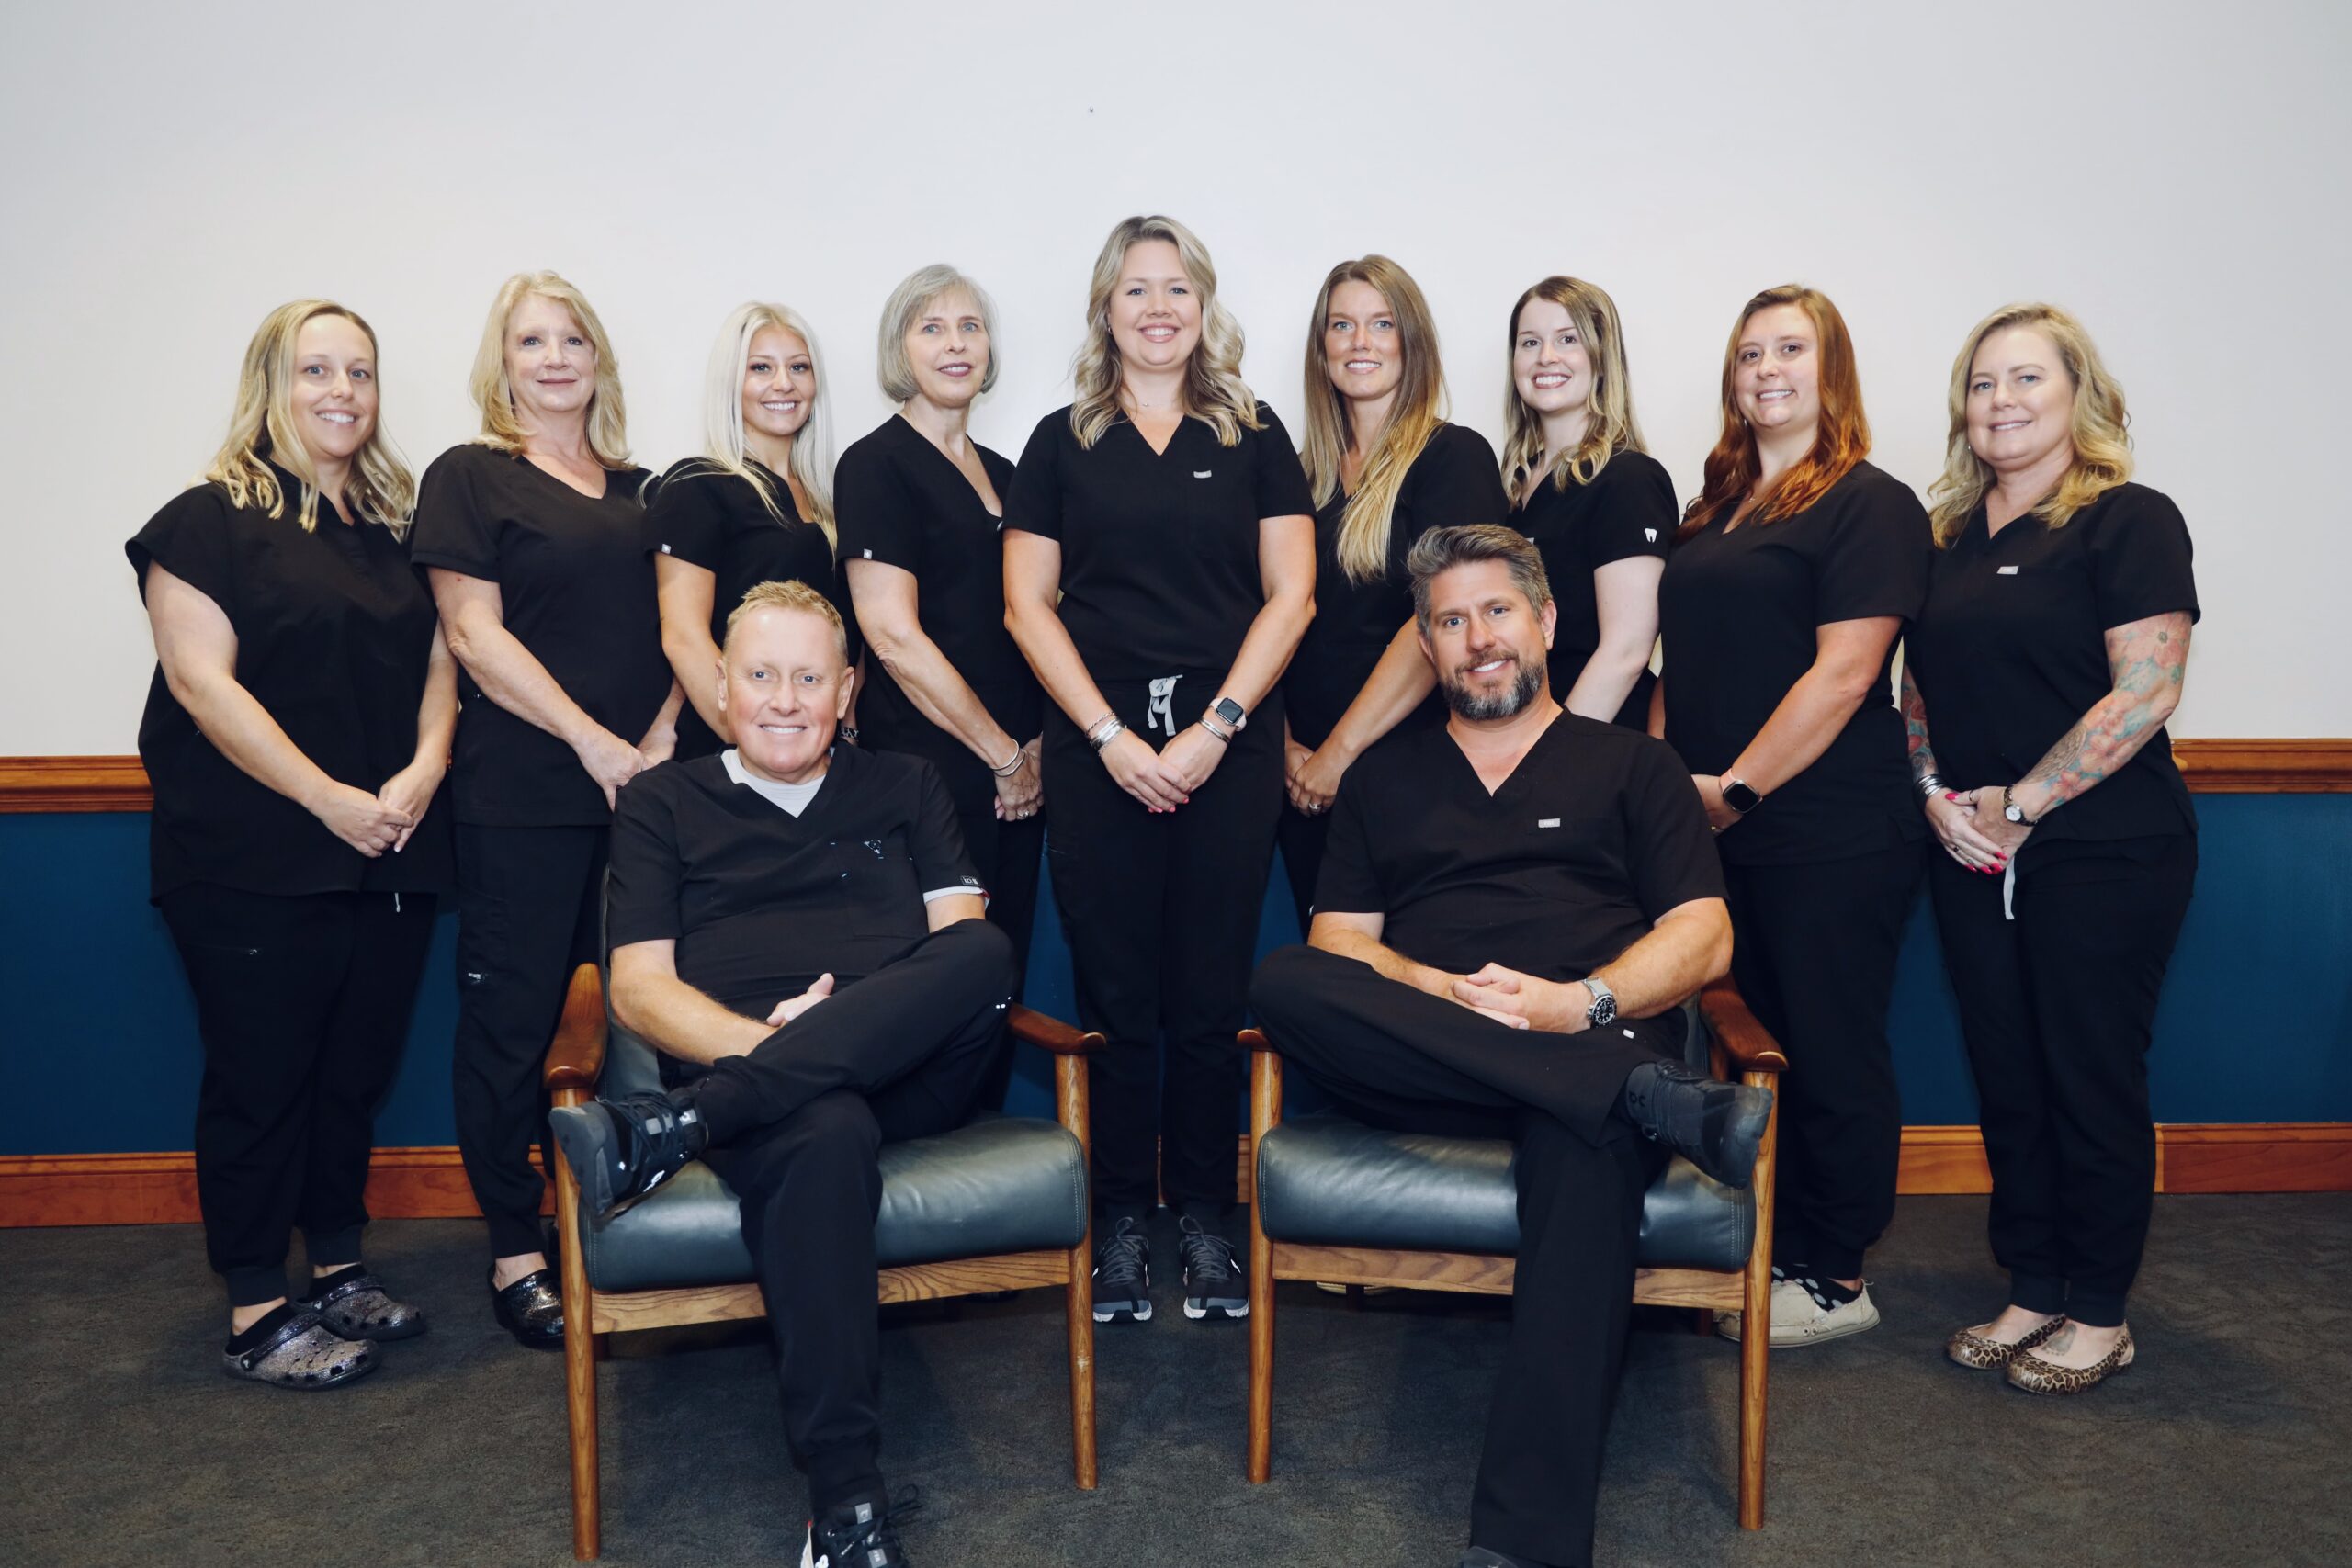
x=2148 y=659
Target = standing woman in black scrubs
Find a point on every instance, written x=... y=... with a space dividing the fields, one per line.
x=535 y=541
x=752 y=508
x=1383 y=467
x=2049 y=656
x=1598 y=507
x=1796 y=569
x=1158 y=569
x=922 y=505
x=296 y=733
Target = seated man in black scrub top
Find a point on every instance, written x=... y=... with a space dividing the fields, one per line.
x=1511 y=910
x=800 y=926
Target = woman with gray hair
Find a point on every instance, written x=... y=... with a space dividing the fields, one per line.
x=919 y=504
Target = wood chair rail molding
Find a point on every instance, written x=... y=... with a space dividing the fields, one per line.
x=2289 y=766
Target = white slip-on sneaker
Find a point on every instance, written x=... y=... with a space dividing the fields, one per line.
x=1799 y=1317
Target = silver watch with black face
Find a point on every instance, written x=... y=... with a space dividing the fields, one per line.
x=1603 y=1010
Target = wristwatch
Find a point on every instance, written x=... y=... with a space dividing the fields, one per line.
x=1232 y=712
x=1603 y=1010
x=2013 y=811
x=1739 y=795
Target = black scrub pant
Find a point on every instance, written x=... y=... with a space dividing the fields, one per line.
x=1006 y=854
x=796 y=1127
x=1393 y=1056
x=530 y=910
x=302 y=1003
x=1813 y=950
x=2057 y=1007
x=1161 y=913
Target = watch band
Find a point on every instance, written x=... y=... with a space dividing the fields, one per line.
x=1603 y=1010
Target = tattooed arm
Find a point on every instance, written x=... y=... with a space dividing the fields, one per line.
x=2148 y=659
x=1954 y=823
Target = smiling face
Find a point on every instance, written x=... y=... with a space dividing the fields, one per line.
x=785 y=689
x=1550 y=362
x=1776 y=371
x=333 y=391
x=1486 y=643
x=550 y=362
x=1364 y=348
x=779 y=384
x=2020 y=400
x=948 y=348
x=1154 y=308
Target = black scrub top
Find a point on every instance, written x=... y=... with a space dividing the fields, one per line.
x=1738 y=612
x=1596 y=834
x=2009 y=652
x=762 y=902
x=1626 y=511
x=1455 y=480
x=1159 y=550
x=576 y=589
x=904 y=502
x=334 y=635
x=710 y=518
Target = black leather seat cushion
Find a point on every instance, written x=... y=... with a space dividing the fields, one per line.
x=1326 y=1180
x=1006 y=1184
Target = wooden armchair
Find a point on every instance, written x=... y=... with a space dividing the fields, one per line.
x=1334 y=1200
x=678 y=1257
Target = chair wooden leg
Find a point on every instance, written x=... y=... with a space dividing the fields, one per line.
x=579 y=1361
x=1265 y=1110
x=1077 y=1297
x=1755 y=1322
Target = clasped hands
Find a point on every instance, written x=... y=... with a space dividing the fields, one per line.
x=1970 y=825
x=1522 y=1001
x=1165 y=779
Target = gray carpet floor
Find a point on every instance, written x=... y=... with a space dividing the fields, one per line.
x=2229 y=1443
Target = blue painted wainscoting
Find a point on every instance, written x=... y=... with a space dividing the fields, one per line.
x=99 y=1053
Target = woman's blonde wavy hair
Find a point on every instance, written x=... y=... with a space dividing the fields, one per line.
x=724 y=449
x=262 y=431
x=1213 y=386
x=1611 y=428
x=502 y=427
x=2101 y=427
x=1413 y=418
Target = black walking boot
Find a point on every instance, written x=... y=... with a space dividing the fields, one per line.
x=1715 y=1125
x=621 y=1149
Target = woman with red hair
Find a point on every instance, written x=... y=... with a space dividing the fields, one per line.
x=1793 y=575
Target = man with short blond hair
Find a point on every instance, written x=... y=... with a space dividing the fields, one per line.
x=794 y=926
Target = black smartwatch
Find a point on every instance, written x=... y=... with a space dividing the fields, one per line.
x=1233 y=714
x=1739 y=795
x=1603 y=1010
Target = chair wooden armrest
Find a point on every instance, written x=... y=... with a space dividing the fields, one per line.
x=1747 y=1043
x=576 y=1059
x=1048 y=1033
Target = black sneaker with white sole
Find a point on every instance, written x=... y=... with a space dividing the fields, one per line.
x=856 y=1535
x=1123 y=1274
x=1214 y=1284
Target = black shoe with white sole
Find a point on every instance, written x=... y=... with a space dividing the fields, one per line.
x=1716 y=1126
x=1214 y=1285
x=621 y=1149
x=856 y=1535
x=1123 y=1274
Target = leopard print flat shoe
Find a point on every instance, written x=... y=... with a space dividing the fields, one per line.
x=1971 y=1348
x=2031 y=1374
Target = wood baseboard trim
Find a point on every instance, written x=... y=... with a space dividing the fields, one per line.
x=430 y=1183
x=2294 y=765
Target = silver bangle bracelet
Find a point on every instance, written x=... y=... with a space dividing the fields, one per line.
x=1221 y=735
x=1929 y=785
x=1020 y=755
x=1110 y=730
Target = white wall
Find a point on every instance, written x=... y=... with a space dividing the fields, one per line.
x=2175 y=174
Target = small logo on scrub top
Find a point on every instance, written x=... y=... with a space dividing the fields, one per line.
x=1547 y=821
x=666 y=549
x=2005 y=571
x=1651 y=535
x=1202 y=473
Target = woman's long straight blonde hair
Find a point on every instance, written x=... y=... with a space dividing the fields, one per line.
x=262 y=431
x=2101 y=427
x=502 y=427
x=1419 y=409
x=724 y=447
x=1213 y=386
x=1609 y=427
